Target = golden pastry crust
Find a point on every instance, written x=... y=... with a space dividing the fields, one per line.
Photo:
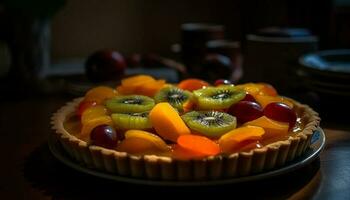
x=156 y=167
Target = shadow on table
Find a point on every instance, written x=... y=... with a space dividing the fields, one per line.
x=46 y=173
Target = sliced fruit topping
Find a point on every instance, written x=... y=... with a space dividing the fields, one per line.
x=105 y=136
x=167 y=122
x=100 y=94
x=173 y=95
x=272 y=128
x=281 y=112
x=235 y=139
x=128 y=121
x=198 y=144
x=258 y=89
x=267 y=89
x=222 y=82
x=83 y=105
x=264 y=100
x=251 y=88
x=91 y=124
x=192 y=84
x=130 y=104
x=246 y=111
x=137 y=141
x=140 y=84
x=209 y=123
x=137 y=80
x=92 y=113
x=212 y=98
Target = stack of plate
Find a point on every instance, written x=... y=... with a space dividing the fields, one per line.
x=327 y=72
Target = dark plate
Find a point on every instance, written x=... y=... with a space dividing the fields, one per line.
x=317 y=144
x=329 y=63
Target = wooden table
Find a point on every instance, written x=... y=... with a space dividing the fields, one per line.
x=29 y=171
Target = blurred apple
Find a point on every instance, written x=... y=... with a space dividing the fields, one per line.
x=105 y=65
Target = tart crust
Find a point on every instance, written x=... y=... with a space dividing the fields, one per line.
x=156 y=167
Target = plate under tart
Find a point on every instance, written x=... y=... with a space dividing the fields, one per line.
x=317 y=144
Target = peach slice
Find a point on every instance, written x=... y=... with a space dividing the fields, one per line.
x=93 y=112
x=233 y=140
x=264 y=100
x=272 y=128
x=198 y=144
x=100 y=93
x=167 y=122
x=137 y=141
x=91 y=124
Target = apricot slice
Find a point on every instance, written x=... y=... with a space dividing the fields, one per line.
x=264 y=100
x=167 y=122
x=99 y=94
x=232 y=140
x=91 y=124
x=272 y=128
x=137 y=141
x=93 y=112
x=198 y=144
x=192 y=84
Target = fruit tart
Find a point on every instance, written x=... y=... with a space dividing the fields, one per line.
x=147 y=128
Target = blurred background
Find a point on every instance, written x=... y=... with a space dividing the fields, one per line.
x=298 y=46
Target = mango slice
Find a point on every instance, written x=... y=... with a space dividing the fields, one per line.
x=167 y=122
x=272 y=128
x=137 y=141
x=233 y=140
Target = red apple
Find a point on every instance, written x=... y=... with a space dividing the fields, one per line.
x=105 y=65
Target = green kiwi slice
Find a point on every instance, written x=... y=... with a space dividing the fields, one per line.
x=130 y=104
x=218 y=97
x=128 y=121
x=173 y=95
x=210 y=123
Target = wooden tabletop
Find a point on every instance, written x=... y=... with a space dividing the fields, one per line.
x=28 y=170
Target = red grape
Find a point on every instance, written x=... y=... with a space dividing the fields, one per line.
x=222 y=82
x=249 y=97
x=105 y=136
x=246 y=111
x=281 y=112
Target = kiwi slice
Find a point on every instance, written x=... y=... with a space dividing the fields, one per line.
x=218 y=97
x=130 y=104
x=210 y=123
x=128 y=121
x=173 y=95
